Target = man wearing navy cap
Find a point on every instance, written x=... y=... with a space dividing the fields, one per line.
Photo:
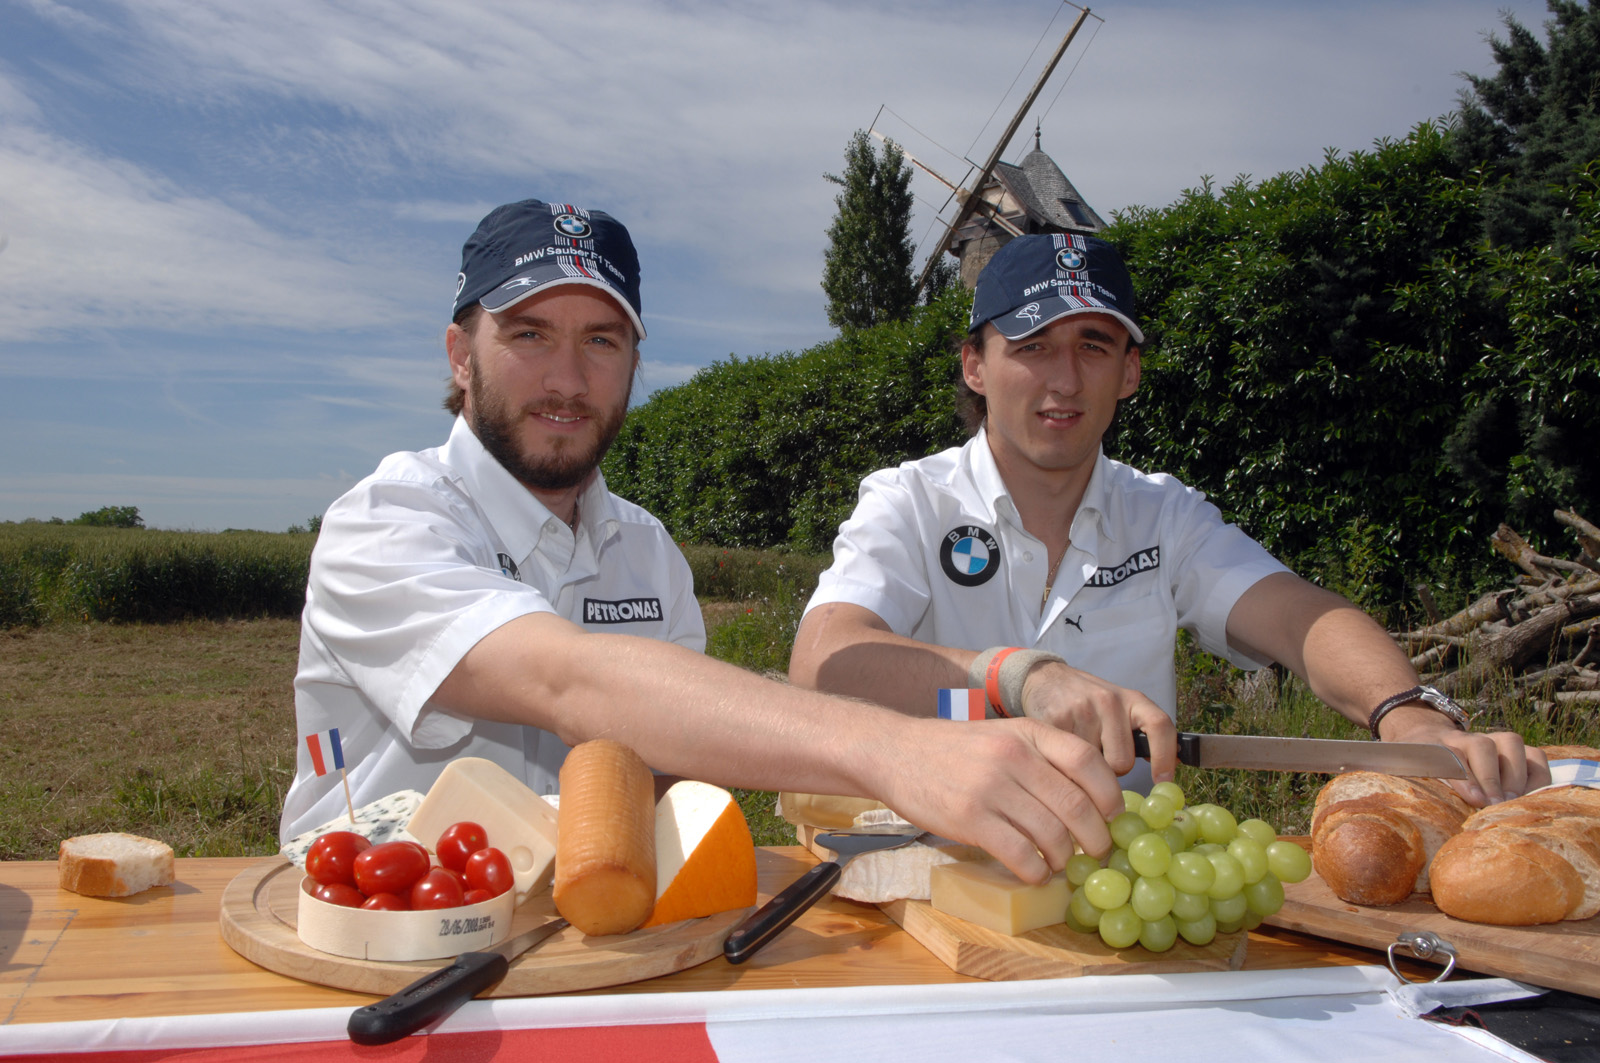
x=1029 y=565
x=491 y=598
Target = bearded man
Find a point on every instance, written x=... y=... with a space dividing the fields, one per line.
x=491 y=598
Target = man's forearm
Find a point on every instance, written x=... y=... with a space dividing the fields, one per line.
x=1020 y=789
x=845 y=649
x=686 y=713
x=1344 y=655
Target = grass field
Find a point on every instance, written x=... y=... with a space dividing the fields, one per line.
x=185 y=731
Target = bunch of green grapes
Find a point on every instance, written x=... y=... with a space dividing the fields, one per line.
x=1179 y=871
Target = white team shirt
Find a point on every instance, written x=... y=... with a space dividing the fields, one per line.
x=937 y=550
x=418 y=562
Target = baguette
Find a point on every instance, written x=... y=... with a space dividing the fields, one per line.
x=1531 y=860
x=1373 y=836
x=114 y=865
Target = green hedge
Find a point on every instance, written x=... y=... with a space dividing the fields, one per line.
x=71 y=572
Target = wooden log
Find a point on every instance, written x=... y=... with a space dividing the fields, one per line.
x=1431 y=607
x=1434 y=659
x=1518 y=645
x=1588 y=536
x=1489 y=607
x=1515 y=548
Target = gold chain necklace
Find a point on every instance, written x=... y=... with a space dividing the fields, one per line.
x=1050 y=580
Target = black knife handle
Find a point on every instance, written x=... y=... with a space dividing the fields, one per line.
x=749 y=936
x=1188 y=747
x=433 y=996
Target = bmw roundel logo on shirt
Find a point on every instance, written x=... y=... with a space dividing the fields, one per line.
x=969 y=555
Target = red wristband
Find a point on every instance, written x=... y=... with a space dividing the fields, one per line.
x=992 y=680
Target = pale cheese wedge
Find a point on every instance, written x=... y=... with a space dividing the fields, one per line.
x=823 y=810
x=705 y=858
x=992 y=897
x=518 y=821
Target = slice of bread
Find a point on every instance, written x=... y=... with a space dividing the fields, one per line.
x=114 y=865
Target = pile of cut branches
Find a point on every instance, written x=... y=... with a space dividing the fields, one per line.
x=1543 y=632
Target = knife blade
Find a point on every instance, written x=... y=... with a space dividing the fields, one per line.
x=433 y=996
x=1332 y=755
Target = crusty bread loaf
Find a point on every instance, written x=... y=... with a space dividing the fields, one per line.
x=1373 y=835
x=1533 y=859
x=114 y=865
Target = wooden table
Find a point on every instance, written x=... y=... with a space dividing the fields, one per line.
x=65 y=957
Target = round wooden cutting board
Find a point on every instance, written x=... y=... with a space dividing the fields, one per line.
x=258 y=921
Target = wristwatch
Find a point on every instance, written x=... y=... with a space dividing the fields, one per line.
x=1429 y=696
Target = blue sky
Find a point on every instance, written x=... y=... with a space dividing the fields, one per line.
x=229 y=232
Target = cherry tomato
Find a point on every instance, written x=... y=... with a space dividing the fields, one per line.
x=488 y=869
x=459 y=841
x=340 y=894
x=437 y=889
x=387 y=902
x=392 y=867
x=331 y=857
x=460 y=878
x=477 y=897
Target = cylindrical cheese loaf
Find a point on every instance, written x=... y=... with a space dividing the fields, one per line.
x=605 y=880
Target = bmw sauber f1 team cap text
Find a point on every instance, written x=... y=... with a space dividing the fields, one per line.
x=1034 y=280
x=523 y=248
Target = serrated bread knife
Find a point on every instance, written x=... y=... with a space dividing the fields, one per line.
x=433 y=996
x=1414 y=759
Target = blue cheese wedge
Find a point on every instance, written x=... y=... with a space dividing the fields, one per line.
x=384 y=820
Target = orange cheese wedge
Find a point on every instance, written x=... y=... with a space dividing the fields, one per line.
x=705 y=859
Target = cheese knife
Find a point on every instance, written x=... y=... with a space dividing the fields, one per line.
x=1414 y=759
x=433 y=996
x=751 y=935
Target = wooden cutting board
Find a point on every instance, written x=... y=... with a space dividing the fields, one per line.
x=1558 y=956
x=1049 y=952
x=259 y=909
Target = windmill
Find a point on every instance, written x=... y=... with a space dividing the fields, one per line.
x=1039 y=193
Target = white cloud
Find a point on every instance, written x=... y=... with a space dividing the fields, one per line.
x=94 y=240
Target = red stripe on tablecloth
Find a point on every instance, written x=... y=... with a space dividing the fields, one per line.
x=668 y=1043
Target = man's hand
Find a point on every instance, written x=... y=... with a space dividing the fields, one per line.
x=1501 y=765
x=1020 y=789
x=1102 y=714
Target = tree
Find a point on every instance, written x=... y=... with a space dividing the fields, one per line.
x=944 y=276
x=112 y=517
x=1534 y=125
x=867 y=272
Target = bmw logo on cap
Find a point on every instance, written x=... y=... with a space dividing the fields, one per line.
x=969 y=555
x=1070 y=258
x=573 y=226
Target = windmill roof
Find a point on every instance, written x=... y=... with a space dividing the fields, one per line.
x=1047 y=195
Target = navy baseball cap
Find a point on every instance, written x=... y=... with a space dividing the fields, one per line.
x=1034 y=280
x=521 y=249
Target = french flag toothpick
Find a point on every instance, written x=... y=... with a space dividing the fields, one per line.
x=962 y=704
x=327 y=754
